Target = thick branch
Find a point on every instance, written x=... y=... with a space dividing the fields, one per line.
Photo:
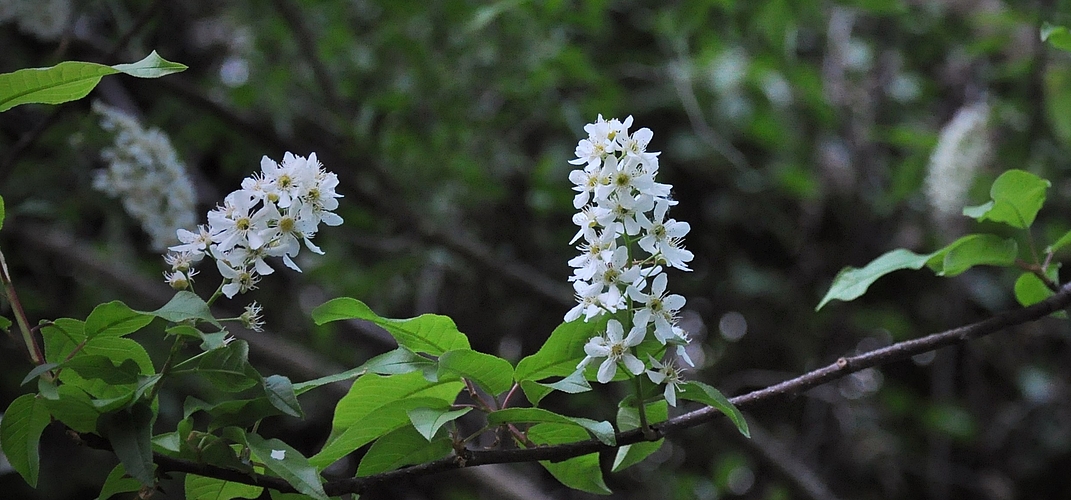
x=841 y=368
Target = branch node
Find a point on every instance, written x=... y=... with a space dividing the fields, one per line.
x=842 y=363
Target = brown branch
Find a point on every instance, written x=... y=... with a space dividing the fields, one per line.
x=841 y=368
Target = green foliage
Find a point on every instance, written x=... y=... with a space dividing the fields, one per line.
x=118 y=481
x=210 y=488
x=491 y=373
x=703 y=393
x=427 y=333
x=71 y=80
x=628 y=418
x=129 y=431
x=603 y=431
x=293 y=466
x=428 y=421
x=20 y=432
x=186 y=306
x=401 y=447
x=1057 y=36
x=558 y=357
x=1017 y=196
x=583 y=472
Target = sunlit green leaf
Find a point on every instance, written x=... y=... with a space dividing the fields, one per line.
x=851 y=283
x=114 y=318
x=703 y=393
x=428 y=421
x=210 y=488
x=183 y=306
x=558 y=357
x=973 y=250
x=1029 y=289
x=1057 y=36
x=404 y=446
x=1017 y=197
x=20 y=432
x=429 y=333
x=628 y=418
x=71 y=80
x=491 y=373
x=603 y=431
x=73 y=407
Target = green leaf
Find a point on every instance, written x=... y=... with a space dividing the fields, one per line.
x=130 y=433
x=430 y=333
x=1057 y=36
x=240 y=412
x=186 y=305
x=210 y=488
x=3 y=214
x=851 y=283
x=581 y=473
x=378 y=404
x=1017 y=197
x=4 y=323
x=603 y=431
x=1029 y=289
x=96 y=366
x=37 y=371
x=703 y=393
x=401 y=447
x=61 y=339
x=115 y=318
x=118 y=482
x=492 y=373
x=1060 y=243
x=628 y=418
x=973 y=250
x=228 y=368
x=71 y=80
x=20 y=431
x=573 y=384
x=558 y=357
x=398 y=361
x=74 y=408
x=427 y=421
x=292 y=466
x=281 y=395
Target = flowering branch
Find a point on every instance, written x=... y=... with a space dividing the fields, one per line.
x=843 y=367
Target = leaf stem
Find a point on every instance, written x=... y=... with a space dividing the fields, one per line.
x=32 y=347
x=168 y=365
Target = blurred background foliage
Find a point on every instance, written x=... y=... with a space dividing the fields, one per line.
x=800 y=137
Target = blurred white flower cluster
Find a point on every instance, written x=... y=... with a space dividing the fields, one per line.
x=627 y=240
x=962 y=150
x=45 y=19
x=270 y=216
x=146 y=174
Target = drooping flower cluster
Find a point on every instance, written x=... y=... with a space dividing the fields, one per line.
x=627 y=242
x=145 y=172
x=274 y=212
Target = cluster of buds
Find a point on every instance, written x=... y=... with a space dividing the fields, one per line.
x=627 y=243
x=273 y=213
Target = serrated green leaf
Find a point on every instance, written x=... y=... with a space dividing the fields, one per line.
x=73 y=407
x=118 y=481
x=1017 y=197
x=118 y=350
x=703 y=393
x=492 y=373
x=186 y=305
x=61 y=337
x=280 y=393
x=430 y=333
x=628 y=418
x=558 y=357
x=603 y=431
x=130 y=433
x=428 y=421
x=228 y=368
x=1057 y=36
x=851 y=283
x=581 y=473
x=973 y=250
x=71 y=80
x=210 y=488
x=401 y=447
x=115 y=318
x=20 y=431
x=291 y=466
x=376 y=405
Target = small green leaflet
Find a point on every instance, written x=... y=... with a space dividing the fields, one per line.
x=1017 y=196
x=491 y=373
x=114 y=318
x=118 y=482
x=628 y=418
x=186 y=305
x=703 y=393
x=71 y=80
x=583 y=472
x=428 y=333
x=851 y=283
x=603 y=431
x=403 y=446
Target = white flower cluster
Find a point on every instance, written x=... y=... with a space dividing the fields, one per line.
x=270 y=216
x=962 y=150
x=622 y=215
x=146 y=173
x=45 y=19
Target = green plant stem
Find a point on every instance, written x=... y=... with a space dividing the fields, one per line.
x=641 y=409
x=216 y=294
x=20 y=315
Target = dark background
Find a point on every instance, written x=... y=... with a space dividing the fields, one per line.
x=798 y=138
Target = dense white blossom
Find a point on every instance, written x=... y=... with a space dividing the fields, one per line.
x=144 y=171
x=276 y=212
x=625 y=237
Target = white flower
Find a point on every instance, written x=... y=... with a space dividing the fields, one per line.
x=179 y=280
x=664 y=237
x=657 y=306
x=239 y=279
x=612 y=347
x=194 y=243
x=588 y=304
x=251 y=317
x=668 y=373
